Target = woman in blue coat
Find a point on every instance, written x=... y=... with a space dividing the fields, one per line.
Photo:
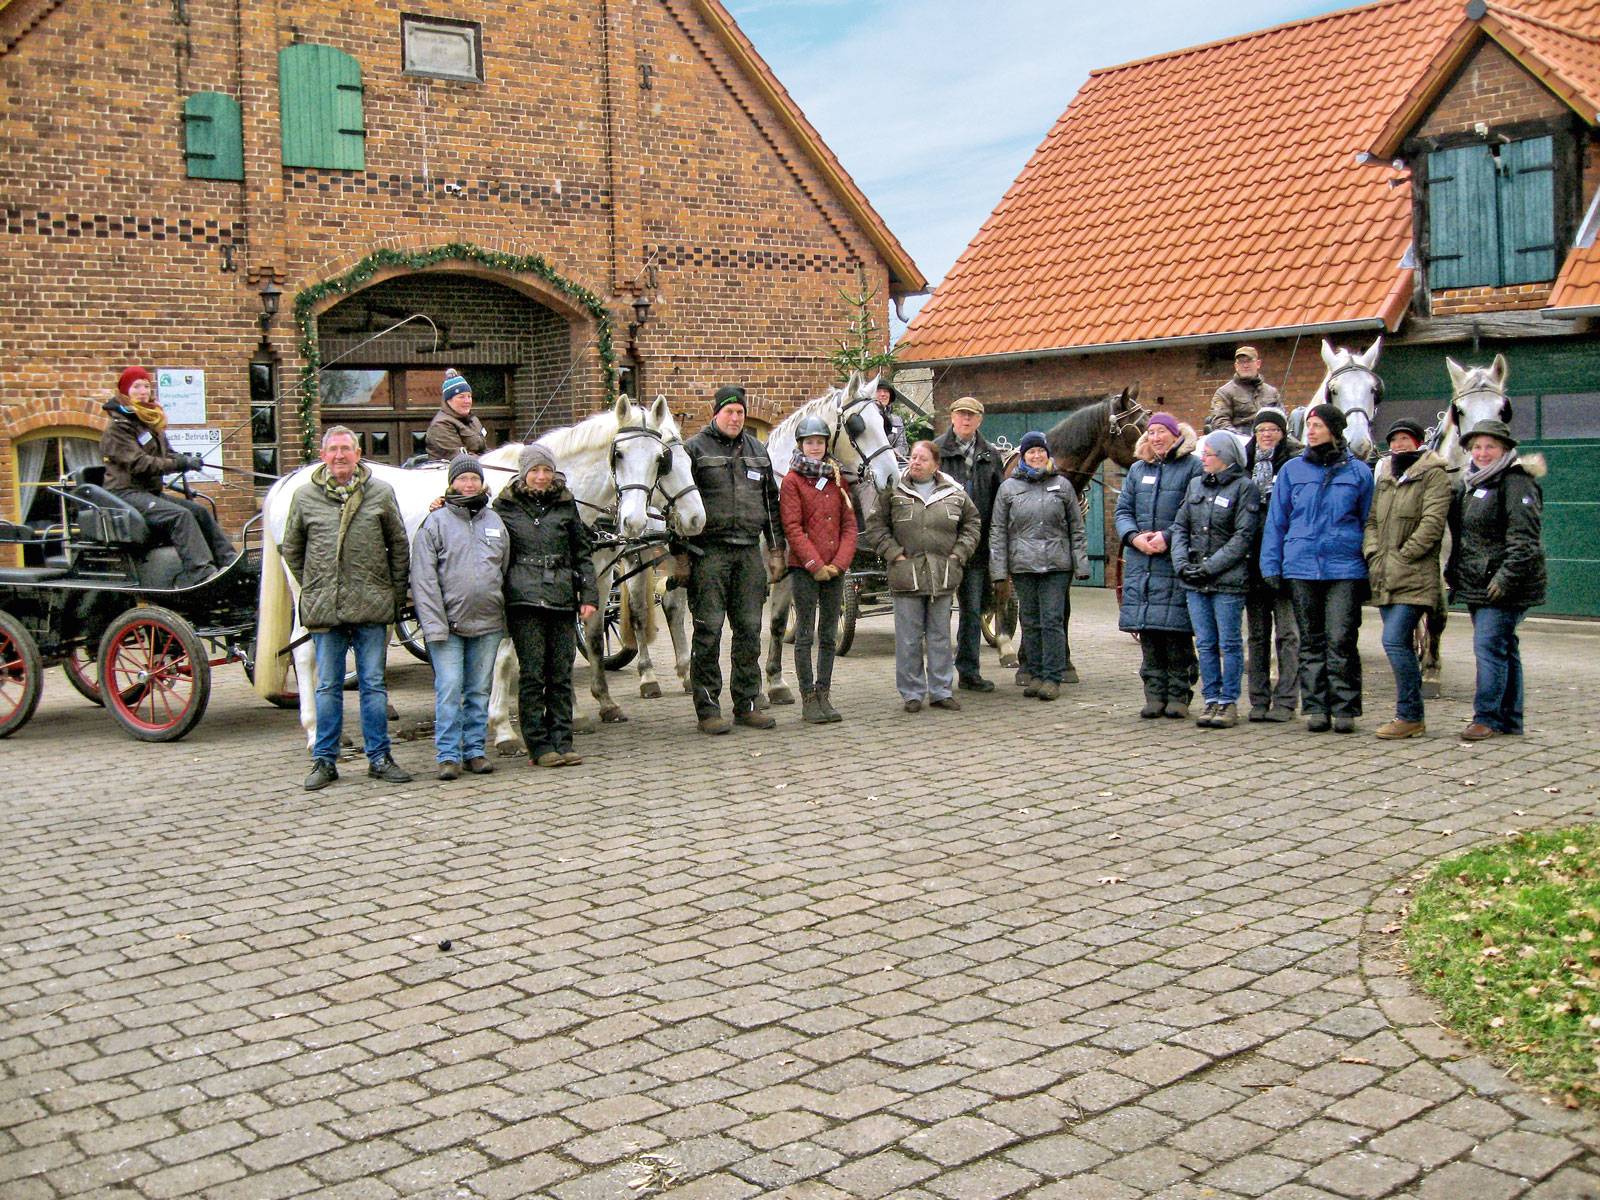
x=1153 y=602
x=1313 y=541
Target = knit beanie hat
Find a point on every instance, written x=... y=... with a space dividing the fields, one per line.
x=729 y=394
x=534 y=455
x=1271 y=416
x=463 y=464
x=1331 y=416
x=1031 y=439
x=1226 y=447
x=130 y=377
x=454 y=385
x=1168 y=422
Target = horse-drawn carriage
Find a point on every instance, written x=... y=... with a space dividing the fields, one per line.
x=105 y=608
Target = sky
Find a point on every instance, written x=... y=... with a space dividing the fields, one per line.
x=933 y=106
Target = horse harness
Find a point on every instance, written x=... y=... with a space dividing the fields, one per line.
x=1329 y=389
x=1120 y=422
x=852 y=424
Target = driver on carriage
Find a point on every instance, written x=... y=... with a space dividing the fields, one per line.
x=137 y=454
x=894 y=425
x=454 y=430
x=1236 y=402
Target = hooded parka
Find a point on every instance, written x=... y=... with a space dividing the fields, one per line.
x=551 y=549
x=1151 y=495
x=1495 y=533
x=1405 y=531
x=936 y=535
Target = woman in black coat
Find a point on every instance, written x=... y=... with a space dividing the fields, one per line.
x=1496 y=568
x=551 y=577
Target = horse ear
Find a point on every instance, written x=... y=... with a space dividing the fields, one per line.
x=1130 y=394
x=660 y=413
x=623 y=408
x=1370 y=358
x=1500 y=370
x=1458 y=374
x=1330 y=356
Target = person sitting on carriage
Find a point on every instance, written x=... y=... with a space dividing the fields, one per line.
x=893 y=423
x=454 y=430
x=819 y=521
x=1236 y=402
x=137 y=454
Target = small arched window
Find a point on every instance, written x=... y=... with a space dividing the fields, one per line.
x=42 y=458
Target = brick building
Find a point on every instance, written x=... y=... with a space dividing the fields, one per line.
x=1423 y=169
x=551 y=198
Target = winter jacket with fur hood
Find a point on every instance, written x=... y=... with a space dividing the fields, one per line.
x=1495 y=531
x=936 y=535
x=1405 y=531
x=1151 y=495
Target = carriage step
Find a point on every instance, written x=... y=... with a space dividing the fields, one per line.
x=26 y=575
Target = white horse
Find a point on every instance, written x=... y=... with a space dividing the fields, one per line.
x=860 y=442
x=603 y=470
x=1352 y=385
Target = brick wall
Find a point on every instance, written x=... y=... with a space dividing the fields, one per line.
x=691 y=189
x=1491 y=87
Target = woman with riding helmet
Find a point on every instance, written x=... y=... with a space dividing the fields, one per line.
x=1403 y=541
x=550 y=575
x=1497 y=568
x=819 y=522
x=1037 y=543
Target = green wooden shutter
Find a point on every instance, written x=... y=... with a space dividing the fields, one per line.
x=213 y=136
x=319 y=107
x=1463 y=226
x=1528 y=211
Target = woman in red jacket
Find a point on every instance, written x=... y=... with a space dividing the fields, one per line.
x=820 y=524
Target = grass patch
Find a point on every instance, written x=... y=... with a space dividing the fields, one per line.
x=1507 y=939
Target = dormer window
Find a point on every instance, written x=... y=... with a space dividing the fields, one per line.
x=1492 y=214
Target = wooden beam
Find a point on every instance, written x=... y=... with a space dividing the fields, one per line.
x=1502 y=325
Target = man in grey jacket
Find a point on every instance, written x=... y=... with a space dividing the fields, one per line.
x=458 y=568
x=345 y=544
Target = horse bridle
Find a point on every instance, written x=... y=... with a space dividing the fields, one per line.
x=1377 y=389
x=852 y=424
x=663 y=469
x=1484 y=390
x=1121 y=422
x=663 y=459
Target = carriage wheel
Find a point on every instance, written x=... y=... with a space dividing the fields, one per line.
x=83 y=673
x=1002 y=624
x=616 y=655
x=408 y=632
x=849 y=610
x=154 y=674
x=20 y=675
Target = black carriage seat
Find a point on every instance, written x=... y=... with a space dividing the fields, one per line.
x=103 y=516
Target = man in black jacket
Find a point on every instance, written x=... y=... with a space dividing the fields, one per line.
x=969 y=459
x=727 y=578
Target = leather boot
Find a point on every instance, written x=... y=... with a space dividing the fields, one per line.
x=826 y=704
x=810 y=710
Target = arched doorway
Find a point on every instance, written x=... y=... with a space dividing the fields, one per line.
x=383 y=374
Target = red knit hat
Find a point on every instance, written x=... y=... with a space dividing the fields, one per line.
x=130 y=377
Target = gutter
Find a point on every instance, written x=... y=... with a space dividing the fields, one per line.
x=1168 y=343
x=1570 y=314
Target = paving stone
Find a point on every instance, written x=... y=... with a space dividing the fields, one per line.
x=959 y=1140
x=1459 y=1180
x=1363 y=1175
x=1425 y=1143
x=1531 y=1155
x=1253 y=1174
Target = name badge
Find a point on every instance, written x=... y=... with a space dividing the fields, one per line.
x=491 y=533
x=144 y=438
x=1480 y=493
x=821 y=483
x=753 y=475
x=1148 y=480
x=1054 y=487
x=1222 y=502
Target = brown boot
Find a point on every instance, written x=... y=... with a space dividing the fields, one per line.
x=1397 y=729
x=1226 y=716
x=754 y=719
x=1048 y=691
x=715 y=723
x=811 y=710
x=828 y=710
x=1477 y=733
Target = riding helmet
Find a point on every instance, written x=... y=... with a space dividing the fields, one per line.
x=811 y=427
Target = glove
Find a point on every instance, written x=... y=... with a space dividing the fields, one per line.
x=1002 y=592
x=1192 y=573
x=826 y=573
x=1273 y=583
x=680 y=570
x=776 y=565
x=191 y=462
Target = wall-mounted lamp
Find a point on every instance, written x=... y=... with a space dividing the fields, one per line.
x=270 y=293
x=641 y=316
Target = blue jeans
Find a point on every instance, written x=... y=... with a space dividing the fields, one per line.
x=1497 y=702
x=463 y=673
x=1041 y=606
x=1218 y=619
x=371 y=643
x=1400 y=623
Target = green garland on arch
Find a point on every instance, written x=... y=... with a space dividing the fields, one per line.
x=306 y=302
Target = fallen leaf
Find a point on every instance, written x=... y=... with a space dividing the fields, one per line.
x=1357 y=1060
x=1553 y=790
x=1115 y=837
x=1390 y=929
x=1113 y=879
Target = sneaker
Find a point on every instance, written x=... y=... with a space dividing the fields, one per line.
x=1397 y=729
x=1344 y=724
x=1048 y=691
x=913 y=706
x=548 y=759
x=569 y=759
x=1205 y=719
x=716 y=723
x=755 y=719
x=389 y=771
x=1226 y=716
x=1478 y=732
x=1258 y=713
x=322 y=774
x=949 y=703
x=449 y=770
x=976 y=683
x=479 y=765
x=1279 y=716
x=1317 y=723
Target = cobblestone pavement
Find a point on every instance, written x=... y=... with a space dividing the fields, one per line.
x=1026 y=950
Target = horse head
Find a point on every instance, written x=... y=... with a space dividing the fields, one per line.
x=1353 y=387
x=1126 y=421
x=685 y=510
x=1478 y=393
x=639 y=457
x=860 y=436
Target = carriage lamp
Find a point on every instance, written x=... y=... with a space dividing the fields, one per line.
x=270 y=293
x=641 y=316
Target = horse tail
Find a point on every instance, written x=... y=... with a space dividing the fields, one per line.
x=274 y=622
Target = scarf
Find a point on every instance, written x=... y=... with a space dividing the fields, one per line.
x=1476 y=478
x=1263 y=476
x=815 y=468
x=969 y=453
x=1401 y=463
x=472 y=504
x=1325 y=455
x=340 y=492
x=1031 y=474
x=151 y=415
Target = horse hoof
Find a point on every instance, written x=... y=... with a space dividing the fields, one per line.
x=612 y=715
x=508 y=749
x=780 y=695
x=650 y=691
x=394 y=713
x=1010 y=661
x=1430 y=691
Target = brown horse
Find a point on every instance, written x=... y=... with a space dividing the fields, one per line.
x=1078 y=444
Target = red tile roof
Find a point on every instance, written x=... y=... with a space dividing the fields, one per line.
x=1215 y=190
x=1578 y=286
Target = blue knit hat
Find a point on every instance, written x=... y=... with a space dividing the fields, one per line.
x=1031 y=439
x=454 y=385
